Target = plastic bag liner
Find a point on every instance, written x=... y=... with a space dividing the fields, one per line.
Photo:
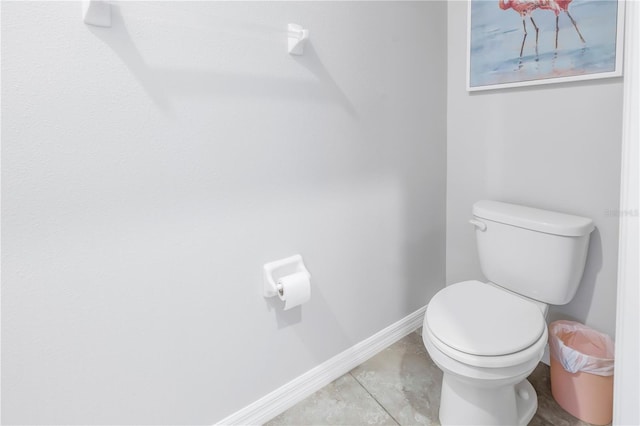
x=580 y=348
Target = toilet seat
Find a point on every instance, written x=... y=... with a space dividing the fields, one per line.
x=482 y=325
x=533 y=352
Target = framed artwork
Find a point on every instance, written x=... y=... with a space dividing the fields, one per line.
x=515 y=43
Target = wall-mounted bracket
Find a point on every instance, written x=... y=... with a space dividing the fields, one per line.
x=96 y=12
x=298 y=37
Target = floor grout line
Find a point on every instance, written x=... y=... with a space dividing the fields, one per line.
x=374 y=398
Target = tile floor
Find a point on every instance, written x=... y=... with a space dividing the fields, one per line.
x=400 y=386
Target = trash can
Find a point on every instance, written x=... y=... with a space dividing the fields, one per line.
x=582 y=371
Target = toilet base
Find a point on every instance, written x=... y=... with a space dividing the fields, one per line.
x=461 y=404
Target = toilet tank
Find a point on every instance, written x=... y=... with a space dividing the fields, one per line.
x=536 y=253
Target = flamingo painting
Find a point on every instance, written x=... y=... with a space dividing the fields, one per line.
x=524 y=8
x=558 y=6
x=501 y=41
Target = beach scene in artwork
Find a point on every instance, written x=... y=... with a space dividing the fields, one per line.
x=501 y=52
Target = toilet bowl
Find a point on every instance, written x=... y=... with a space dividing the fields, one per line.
x=488 y=337
x=484 y=360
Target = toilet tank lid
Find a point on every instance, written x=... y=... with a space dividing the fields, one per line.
x=534 y=219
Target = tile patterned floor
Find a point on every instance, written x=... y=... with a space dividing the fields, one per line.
x=400 y=386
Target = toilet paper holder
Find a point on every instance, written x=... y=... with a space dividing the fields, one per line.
x=273 y=271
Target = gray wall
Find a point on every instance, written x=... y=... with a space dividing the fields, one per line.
x=149 y=170
x=555 y=147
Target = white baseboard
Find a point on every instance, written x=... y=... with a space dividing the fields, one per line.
x=315 y=379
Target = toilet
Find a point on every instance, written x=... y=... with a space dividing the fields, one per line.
x=487 y=337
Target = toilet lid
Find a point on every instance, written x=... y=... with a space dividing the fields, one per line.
x=480 y=319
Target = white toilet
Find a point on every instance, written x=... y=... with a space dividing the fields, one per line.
x=488 y=337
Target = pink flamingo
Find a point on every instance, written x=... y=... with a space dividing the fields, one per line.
x=524 y=8
x=558 y=6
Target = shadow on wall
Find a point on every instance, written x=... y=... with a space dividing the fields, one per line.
x=160 y=84
x=583 y=300
x=312 y=62
x=163 y=85
x=293 y=317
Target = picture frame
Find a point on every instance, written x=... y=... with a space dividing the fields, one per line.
x=515 y=43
